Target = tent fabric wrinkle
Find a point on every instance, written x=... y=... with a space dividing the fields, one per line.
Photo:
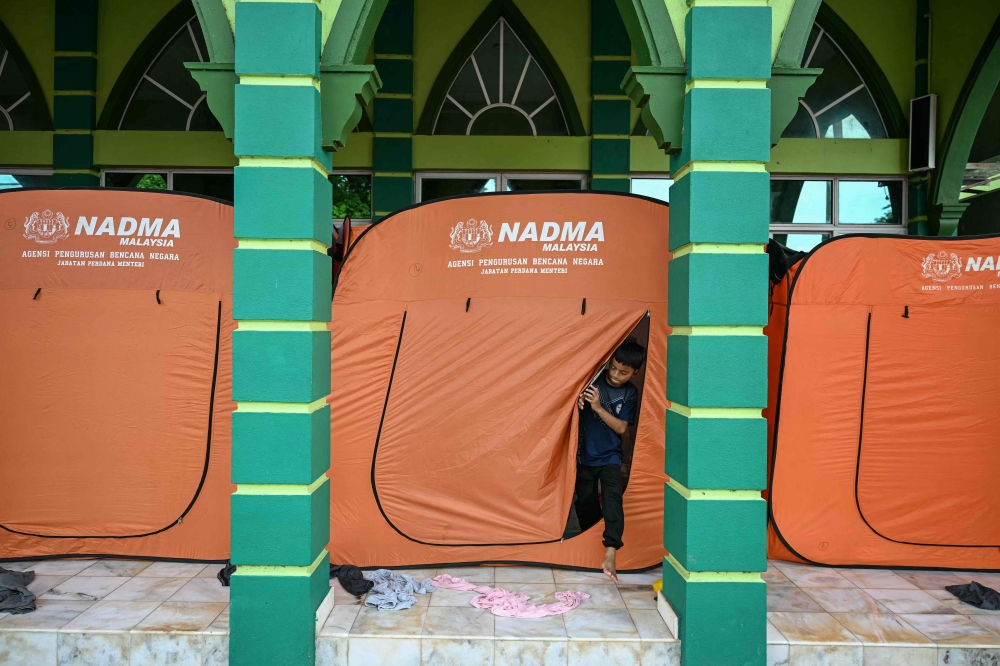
x=505 y=603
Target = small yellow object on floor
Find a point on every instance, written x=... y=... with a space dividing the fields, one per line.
x=658 y=585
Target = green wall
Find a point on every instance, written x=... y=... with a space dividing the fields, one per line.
x=32 y=22
x=888 y=30
x=121 y=27
x=958 y=30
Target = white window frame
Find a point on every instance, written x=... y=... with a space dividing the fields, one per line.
x=169 y=171
x=501 y=178
x=835 y=228
x=4 y=171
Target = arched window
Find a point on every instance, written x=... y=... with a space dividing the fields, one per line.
x=22 y=106
x=166 y=97
x=840 y=104
x=501 y=90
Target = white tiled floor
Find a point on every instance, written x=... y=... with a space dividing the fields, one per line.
x=122 y=613
x=876 y=617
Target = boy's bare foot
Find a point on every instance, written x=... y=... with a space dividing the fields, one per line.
x=609 y=565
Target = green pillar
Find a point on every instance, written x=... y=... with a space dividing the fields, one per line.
x=917 y=209
x=392 y=146
x=281 y=348
x=610 y=108
x=714 y=517
x=74 y=106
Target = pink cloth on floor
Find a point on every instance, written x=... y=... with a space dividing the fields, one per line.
x=511 y=604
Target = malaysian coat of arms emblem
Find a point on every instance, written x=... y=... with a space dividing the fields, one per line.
x=46 y=227
x=942 y=267
x=471 y=236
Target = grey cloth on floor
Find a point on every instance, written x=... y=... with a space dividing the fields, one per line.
x=395 y=591
x=14 y=595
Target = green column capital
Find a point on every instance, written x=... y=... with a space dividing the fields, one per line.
x=658 y=92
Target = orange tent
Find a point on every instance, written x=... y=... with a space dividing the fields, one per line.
x=115 y=374
x=884 y=408
x=462 y=333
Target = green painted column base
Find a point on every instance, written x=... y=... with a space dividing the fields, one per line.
x=722 y=622
x=273 y=618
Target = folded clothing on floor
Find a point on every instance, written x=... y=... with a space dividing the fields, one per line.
x=15 y=598
x=393 y=591
x=511 y=604
x=976 y=595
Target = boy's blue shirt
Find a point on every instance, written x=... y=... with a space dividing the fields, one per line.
x=599 y=444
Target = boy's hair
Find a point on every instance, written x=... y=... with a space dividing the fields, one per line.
x=630 y=353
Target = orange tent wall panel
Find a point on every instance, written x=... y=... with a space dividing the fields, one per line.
x=463 y=331
x=115 y=372
x=885 y=427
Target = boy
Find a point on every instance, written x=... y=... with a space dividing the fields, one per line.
x=608 y=407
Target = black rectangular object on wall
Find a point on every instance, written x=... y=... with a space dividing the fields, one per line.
x=923 y=132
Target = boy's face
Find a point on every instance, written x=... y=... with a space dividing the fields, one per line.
x=618 y=374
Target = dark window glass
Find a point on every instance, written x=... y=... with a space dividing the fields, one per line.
x=142 y=181
x=869 y=202
x=19 y=110
x=215 y=185
x=167 y=96
x=436 y=188
x=501 y=90
x=532 y=184
x=839 y=104
x=352 y=196
x=801 y=202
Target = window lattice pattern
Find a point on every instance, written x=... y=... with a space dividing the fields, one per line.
x=501 y=90
x=167 y=97
x=839 y=105
x=19 y=110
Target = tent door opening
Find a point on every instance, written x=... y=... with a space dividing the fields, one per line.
x=479 y=437
x=641 y=335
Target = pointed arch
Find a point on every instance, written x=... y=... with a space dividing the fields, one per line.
x=963 y=126
x=851 y=81
x=155 y=75
x=22 y=103
x=501 y=14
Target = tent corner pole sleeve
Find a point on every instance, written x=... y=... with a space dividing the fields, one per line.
x=714 y=517
x=282 y=274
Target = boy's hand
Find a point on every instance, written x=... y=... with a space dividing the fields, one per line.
x=593 y=396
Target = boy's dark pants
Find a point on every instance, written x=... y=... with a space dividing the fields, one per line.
x=589 y=508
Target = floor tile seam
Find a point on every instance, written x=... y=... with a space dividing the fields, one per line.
x=996 y=645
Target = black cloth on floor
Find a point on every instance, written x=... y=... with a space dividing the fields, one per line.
x=14 y=595
x=351 y=579
x=590 y=509
x=976 y=595
x=224 y=574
